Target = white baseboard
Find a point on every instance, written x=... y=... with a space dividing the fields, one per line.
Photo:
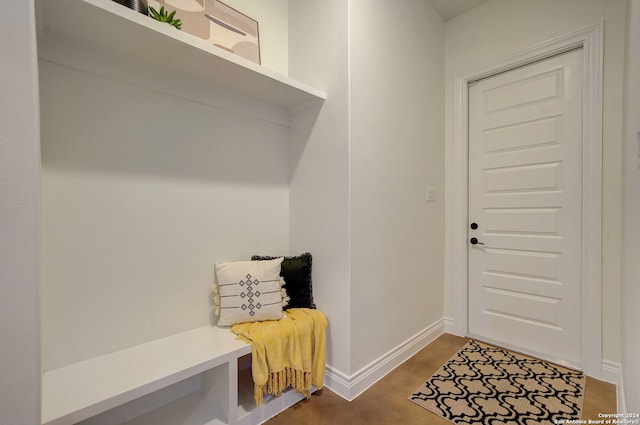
x=612 y=372
x=450 y=326
x=622 y=407
x=349 y=387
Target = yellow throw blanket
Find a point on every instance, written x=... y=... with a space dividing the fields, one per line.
x=290 y=352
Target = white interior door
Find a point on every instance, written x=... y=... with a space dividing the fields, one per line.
x=525 y=197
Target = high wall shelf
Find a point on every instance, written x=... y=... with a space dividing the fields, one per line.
x=109 y=26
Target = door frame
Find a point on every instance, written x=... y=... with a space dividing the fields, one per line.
x=591 y=41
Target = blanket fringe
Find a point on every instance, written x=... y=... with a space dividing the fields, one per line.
x=279 y=381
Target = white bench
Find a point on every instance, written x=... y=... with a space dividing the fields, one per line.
x=199 y=367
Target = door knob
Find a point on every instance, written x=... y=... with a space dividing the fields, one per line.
x=475 y=241
x=474 y=226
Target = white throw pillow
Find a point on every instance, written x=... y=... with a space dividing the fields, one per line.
x=249 y=291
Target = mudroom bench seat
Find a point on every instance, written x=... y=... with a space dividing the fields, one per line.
x=191 y=378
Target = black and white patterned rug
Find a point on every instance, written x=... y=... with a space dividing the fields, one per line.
x=482 y=384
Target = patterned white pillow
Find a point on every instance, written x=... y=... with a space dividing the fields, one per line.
x=248 y=291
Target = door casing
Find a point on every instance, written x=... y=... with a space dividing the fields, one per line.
x=591 y=41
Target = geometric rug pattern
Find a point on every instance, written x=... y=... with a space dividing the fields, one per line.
x=486 y=385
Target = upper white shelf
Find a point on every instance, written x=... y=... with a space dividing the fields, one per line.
x=104 y=24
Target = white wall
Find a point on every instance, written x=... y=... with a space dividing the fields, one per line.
x=359 y=178
x=318 y=49
x=503 y=27
x=631 y=213
x=147 y=179
x=396 y=151
x=19 y=182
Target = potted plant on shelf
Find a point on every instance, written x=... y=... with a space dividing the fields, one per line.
x=164 y=16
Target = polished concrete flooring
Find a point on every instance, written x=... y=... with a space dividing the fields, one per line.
x=386 y=402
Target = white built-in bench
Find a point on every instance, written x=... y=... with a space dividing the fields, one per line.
x=191 y=378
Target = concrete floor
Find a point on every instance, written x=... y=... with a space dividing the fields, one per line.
x=386 y=402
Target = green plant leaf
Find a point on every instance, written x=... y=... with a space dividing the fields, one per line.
x=154 y=13
x=164 y=16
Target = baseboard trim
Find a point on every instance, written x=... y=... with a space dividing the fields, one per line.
x=450 y=326
x=622 y=406
x=351 y=386
x=612 y=372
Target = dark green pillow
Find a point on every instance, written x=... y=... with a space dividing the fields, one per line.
x=296 y=272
